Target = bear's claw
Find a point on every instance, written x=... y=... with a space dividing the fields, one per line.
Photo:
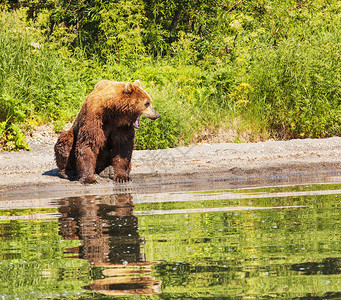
x=121 y=178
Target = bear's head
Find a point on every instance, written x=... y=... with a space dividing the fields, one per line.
x=140 y=102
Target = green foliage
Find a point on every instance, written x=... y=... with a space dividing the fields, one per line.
x=297 y=84
x=2 y=128
x=121 y=26
x=273 y=65
x=15 y=139
x=173 y=127
x=12 y=137
x=36 y=85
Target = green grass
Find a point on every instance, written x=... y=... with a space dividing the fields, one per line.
x=297 y=86
x=37 y=85
x=277 y=75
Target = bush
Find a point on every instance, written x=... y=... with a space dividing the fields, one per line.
x=36 y=85
x=271 y=66
x=297 y=85
x=173 y=128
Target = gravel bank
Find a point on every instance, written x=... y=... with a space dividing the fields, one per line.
x=24 y=172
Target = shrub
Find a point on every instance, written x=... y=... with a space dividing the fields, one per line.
x=297 y=85
x=267 y=66
x=173 y=128
x=36 y=85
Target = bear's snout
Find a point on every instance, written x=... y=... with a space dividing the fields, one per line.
x=156 y=116
x=151 y=113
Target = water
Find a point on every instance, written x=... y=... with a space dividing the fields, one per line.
x=280 y=243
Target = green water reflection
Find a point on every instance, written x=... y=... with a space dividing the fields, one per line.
x=102 y=247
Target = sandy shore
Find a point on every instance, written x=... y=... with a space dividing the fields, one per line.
x=33 y=174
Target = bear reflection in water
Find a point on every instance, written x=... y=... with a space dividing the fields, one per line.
x=109 y=237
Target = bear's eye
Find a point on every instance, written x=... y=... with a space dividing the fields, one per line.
x=147 y=104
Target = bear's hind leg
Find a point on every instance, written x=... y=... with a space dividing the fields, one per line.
x=86 y=164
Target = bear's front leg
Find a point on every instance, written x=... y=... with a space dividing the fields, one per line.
x=122 y=145
x=121 y=157
x=122 y=167
x=86 y=164
x=62 y=150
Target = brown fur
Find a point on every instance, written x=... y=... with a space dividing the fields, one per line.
x=103 y=132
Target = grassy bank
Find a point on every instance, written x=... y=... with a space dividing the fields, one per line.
x=263 y=73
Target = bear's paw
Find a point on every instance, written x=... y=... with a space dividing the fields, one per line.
x=121 y=177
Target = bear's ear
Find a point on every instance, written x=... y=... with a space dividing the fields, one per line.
x=137 y=83
x=128 y=88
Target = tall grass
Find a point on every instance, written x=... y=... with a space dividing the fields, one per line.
x=36 y=84
x=297 y=84
x=269 y=70
x=41 y=85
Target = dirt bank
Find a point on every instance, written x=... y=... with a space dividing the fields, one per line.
x=33 y=174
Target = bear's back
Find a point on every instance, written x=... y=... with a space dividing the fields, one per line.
x=106 y=94
x=108 y=84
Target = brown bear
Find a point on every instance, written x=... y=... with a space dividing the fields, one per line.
x=103 y=133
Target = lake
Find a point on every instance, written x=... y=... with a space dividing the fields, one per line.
x=259 y=243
